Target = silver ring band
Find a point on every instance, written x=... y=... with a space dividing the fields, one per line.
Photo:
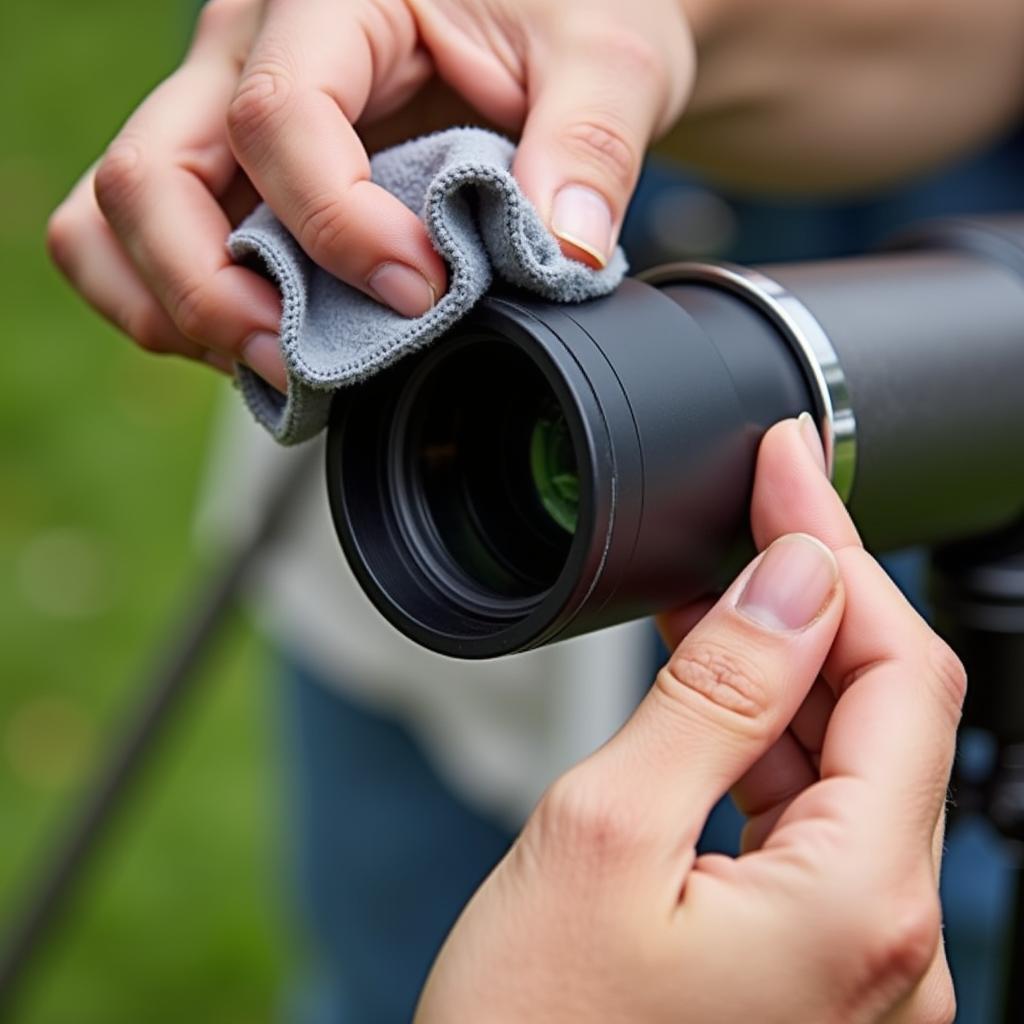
x=810 y=344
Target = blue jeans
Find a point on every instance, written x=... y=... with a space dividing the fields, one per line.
x=385 y=856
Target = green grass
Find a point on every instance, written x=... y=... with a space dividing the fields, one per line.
x=102 y=449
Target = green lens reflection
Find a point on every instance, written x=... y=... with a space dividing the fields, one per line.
x=553 y=468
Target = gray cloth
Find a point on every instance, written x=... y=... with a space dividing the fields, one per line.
x=478 y=220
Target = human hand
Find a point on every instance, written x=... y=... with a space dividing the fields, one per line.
x=268 y=103
x=816 y=694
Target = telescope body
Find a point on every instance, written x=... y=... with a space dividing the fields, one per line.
x=633 y=494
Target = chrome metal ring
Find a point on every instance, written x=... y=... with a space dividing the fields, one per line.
x=809 y=342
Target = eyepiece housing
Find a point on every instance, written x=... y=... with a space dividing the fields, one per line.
x=547 y=470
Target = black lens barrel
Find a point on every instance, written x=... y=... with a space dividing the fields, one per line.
x=666 y=392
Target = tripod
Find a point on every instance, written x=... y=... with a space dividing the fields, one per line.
x=170 y=681
x=978 y=592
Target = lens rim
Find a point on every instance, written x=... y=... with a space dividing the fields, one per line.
x=462 y=622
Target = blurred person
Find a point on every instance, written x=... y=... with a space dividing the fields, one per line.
x=412 y=772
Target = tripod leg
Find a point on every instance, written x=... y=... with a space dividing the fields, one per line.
x=171 y=680
x=1013 y=986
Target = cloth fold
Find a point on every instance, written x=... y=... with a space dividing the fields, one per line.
x=480 y=222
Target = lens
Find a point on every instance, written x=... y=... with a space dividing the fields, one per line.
x=553 y=467
x=490 y=462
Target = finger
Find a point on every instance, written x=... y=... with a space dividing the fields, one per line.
x=892 y=733
x=767 y=790
x=84 y=248
x=239 y=199
x=157 y=187
x=291 y=128
x=811 y=721
x=791 y=494
x=758 y=829
x=762 y=794
x=726 y=694
x=802 y=740
x=673 y=625
x=598 y=96
x=435 y=107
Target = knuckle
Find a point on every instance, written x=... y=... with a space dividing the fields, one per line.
x=607 y=148
x=638 y=57
x=323 y=227
x=61 y=236
x=218 y=15
x=192 y=309
x=950 y=675
x=893 y=941
x=624 y=47
x=259 y=105
x=708 y=676
x=120 y=174
x=147 y=328
x=906 y=944
x=578 y=818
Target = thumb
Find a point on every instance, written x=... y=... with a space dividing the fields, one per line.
x=595 y=106
x=726 y=694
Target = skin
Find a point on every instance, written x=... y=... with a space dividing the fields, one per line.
x=836 y=740
x=898 y=85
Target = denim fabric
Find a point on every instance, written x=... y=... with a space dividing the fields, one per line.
x=384 y=856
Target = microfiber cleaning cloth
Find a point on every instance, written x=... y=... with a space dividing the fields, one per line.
x=480 y=222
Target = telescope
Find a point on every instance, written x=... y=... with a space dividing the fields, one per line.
x=546 y=470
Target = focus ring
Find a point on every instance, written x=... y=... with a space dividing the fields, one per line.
x=809 y=342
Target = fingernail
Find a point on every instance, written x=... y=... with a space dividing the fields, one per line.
x=812 y=438
x=402 y=288
x=261 y=352
x=791 y=585
x=581 y=217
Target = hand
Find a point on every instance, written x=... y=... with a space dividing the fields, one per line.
x=268 y=102
x=815 y=693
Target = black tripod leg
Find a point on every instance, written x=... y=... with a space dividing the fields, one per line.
x=978 y=593
x=164 y=691
x=1013 y=1003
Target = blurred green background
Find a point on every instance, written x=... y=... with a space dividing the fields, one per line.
x=102 y=453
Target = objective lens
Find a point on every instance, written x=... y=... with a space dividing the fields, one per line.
x=553 y=466
x=492 y=470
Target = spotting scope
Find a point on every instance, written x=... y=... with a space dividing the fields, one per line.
x=545 y=470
